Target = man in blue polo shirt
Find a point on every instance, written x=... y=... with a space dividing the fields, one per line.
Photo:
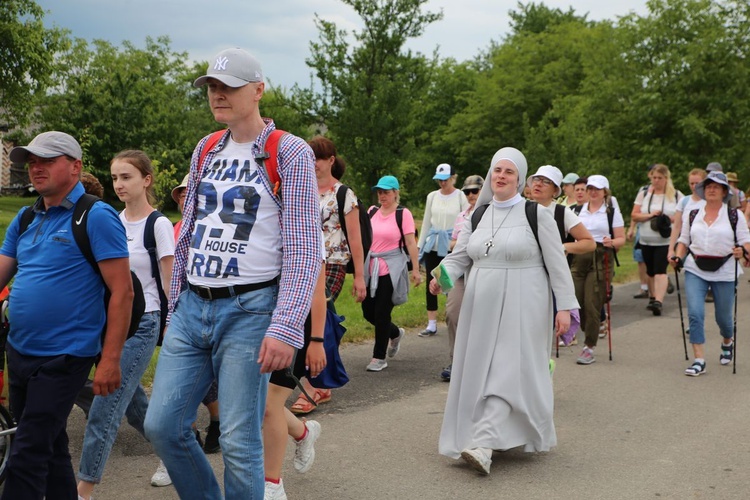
x=57 y=315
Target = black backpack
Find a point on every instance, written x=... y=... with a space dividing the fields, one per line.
x=149 y=242
x=81 y=237
x=365 y=227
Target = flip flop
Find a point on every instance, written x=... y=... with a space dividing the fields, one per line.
x=302 y=406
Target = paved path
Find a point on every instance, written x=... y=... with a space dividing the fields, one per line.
x=635 y=427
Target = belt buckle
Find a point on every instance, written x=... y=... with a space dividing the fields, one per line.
x=205 y=292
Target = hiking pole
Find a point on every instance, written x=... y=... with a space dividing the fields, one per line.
x=679 y=304
x=734 y=331
x=606 y=294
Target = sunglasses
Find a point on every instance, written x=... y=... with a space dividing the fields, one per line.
x=543 y=180
x=471 y=191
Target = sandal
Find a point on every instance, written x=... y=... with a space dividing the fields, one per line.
x=302 y=406
x=695 y=369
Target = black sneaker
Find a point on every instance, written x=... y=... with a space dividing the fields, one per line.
x=643 y=294
x=212 y=438
x=656 y=308
x=651 y=302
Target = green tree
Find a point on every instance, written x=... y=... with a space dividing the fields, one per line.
x=370 y=88
x=27 y=50
x=114 y=98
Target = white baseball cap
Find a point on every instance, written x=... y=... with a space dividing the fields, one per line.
x=598 y=181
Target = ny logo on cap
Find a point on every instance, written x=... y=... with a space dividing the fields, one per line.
x=221 y=63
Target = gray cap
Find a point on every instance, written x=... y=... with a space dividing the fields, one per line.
x=714 y=166
x=234 y=68
x=47 y=145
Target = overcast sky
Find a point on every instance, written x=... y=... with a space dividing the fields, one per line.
x=279 y=33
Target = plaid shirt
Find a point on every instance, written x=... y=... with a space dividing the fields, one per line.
x=299 y=218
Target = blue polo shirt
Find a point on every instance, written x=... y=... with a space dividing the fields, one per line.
x=57 y=299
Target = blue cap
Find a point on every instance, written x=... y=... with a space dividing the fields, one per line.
x=386 y=182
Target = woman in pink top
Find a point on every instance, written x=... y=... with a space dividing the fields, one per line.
x=386 y=274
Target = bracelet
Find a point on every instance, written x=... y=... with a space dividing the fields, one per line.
x=316 y=339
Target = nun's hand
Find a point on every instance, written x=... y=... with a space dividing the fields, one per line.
x=434 y=287
x=562 y=322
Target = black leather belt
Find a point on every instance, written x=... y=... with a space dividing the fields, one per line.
x=225 y=292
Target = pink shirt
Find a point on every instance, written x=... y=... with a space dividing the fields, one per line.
x=386 y=236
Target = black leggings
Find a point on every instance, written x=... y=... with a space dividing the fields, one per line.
x=431 y=261
x=377 y=310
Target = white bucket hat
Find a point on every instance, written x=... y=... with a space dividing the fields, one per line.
x=550 y=172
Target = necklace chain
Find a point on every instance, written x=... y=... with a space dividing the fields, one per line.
x=490 y=243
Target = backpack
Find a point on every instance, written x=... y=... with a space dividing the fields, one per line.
x=268 y=161
x=733 y=219
x=400 y=224
x=365 y=227
x=79 y=223
x=149 y=242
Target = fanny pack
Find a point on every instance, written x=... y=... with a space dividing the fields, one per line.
x=710 y=263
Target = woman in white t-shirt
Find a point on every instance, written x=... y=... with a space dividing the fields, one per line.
x=591 y=271
x=662 y=199
x=440 y=212
x=133 y=180
x=685 y=206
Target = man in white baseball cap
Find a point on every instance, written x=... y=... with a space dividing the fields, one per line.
x=240 y=262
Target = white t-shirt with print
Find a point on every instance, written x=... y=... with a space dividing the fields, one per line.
x=337 y=248
x=140 y=262
x=237 y=236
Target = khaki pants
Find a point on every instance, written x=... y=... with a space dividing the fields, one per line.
x=452 y=309
x=589 y=282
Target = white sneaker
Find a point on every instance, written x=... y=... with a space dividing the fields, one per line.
x=396 y=343
x=274 y=491
x=479 y=459
x=161 y=476
x=377 y=365
x=304 y=454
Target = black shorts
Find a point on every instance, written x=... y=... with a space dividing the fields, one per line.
x=280 y=377
x=655 y=258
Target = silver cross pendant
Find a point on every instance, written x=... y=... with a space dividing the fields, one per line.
x=488 y=245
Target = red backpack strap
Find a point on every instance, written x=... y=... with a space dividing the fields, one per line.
x=210 y=143
x=271 y=161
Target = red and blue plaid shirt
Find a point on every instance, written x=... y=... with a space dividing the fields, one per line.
x=299 y=219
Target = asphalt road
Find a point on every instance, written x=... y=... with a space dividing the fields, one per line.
x=634 y=427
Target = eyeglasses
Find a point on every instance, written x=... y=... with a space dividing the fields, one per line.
x=543 y=180
x=471 y=191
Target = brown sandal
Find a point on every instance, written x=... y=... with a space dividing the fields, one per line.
x=302 y=406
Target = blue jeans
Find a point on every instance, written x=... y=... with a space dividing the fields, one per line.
x=130 y=400
x=695 y=290
x=206 y=340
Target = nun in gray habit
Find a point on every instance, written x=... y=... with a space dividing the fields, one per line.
x=500 y=396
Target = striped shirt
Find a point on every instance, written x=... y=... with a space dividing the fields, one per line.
x=299 y=219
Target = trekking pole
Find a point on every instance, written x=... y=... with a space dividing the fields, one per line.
x=679 y=304
x=734 y=332
x=606 y=294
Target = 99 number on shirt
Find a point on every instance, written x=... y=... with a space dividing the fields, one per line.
x=243 y=220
